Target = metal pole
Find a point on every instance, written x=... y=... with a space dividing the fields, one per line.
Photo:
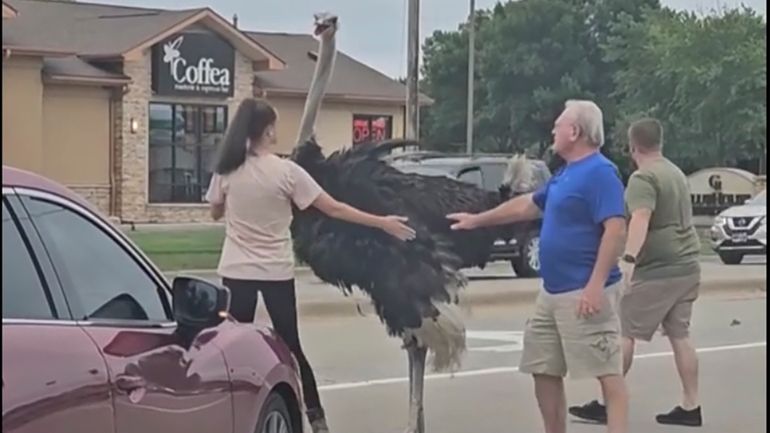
x=471 y=68
x=413 y=71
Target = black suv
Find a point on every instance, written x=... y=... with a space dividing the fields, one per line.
x=487 y=171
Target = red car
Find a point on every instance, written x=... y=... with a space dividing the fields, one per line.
x=95 y=340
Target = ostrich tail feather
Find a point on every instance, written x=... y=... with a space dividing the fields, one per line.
x=444 y=336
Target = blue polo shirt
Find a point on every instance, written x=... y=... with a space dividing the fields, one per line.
x=575 y=203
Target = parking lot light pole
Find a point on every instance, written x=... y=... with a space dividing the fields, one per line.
x=471 y=68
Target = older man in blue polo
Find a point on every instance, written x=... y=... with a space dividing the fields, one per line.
x=575 y=328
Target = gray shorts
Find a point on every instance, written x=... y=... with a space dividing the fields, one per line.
x=666 y=302
x=557 y=341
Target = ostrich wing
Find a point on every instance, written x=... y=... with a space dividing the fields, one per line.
x=360 y=178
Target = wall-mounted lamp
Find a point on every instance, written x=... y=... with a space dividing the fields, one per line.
x=134 y=125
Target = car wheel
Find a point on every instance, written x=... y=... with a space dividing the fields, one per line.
x=275 y=416
x=527 y=265
x=731 y=258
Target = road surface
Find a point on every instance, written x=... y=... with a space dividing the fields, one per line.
x=361 y=372
x=497 y=285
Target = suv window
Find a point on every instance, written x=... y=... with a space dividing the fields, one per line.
x=493 y=176
x=95 y=270
x=471 y=176
x=432 y=170
x=24 y=296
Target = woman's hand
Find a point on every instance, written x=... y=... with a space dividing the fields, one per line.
x=393 y=225
x=396 y=227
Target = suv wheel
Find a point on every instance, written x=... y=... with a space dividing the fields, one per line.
x=729 y=258
x=275 y=416
x=527 y=265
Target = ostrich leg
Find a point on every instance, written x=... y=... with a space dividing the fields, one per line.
x=417 y=357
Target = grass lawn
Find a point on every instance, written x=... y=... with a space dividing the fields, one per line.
x=174 y=250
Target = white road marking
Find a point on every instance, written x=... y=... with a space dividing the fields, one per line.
x=504 y=348
x=506 y=336
x=506 y=370
x=514 y=340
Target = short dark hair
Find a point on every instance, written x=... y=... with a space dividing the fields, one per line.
x=647 y=134
x=254 y=115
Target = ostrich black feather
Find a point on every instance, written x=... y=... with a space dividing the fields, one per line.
x=405 y=280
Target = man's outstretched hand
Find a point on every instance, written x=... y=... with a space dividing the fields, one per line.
x=463 y=221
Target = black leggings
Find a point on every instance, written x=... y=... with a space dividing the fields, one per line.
x=281 y=302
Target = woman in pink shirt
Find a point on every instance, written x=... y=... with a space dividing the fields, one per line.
x=253 y=190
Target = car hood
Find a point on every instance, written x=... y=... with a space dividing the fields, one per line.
x=744 y=211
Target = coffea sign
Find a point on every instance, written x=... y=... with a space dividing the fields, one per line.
x=194 y=64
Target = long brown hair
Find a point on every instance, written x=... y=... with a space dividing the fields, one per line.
x=249 y=123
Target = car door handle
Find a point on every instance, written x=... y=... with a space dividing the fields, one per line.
x=129 y=383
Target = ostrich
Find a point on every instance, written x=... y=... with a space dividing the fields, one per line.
x=413 y=285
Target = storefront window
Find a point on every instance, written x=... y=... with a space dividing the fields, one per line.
x=183 y=142
x=371 y=128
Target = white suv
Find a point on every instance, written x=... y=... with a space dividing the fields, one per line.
x=741 y=230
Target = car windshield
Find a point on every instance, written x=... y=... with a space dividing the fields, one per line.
x=760 y=199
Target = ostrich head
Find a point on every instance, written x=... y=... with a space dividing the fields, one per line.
x=325 y=25
x=519 y=177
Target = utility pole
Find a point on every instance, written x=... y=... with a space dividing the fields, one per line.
x=413 y=71
x=471 y=74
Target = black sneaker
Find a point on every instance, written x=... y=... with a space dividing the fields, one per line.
x=679 y=416
x=593 y=411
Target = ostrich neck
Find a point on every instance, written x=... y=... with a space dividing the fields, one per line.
x=321 y=76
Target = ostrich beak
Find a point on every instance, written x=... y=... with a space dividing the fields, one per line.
x=319 y=29
x=323 y=22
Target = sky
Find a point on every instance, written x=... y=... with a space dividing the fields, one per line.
x=372 y=31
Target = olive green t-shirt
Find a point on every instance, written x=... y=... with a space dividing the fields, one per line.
x=672 y=246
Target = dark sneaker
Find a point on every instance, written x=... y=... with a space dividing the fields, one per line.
x=679 y=416
x=593 y=411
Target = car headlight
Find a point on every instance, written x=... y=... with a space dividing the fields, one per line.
x=720 y=221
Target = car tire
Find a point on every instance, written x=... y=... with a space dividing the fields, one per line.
x=275 y=416
x=731 y=258
x=527 y=265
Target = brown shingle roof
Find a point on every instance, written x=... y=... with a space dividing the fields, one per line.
x=9 y=11
x=351 y=79
x=94 y=30
x=74 y=69
x=84 y=28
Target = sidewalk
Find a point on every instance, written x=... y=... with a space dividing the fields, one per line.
x=494 y=286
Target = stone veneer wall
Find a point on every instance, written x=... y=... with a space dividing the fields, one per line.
x=132 y=148
x=97 y=195
x=760 y=183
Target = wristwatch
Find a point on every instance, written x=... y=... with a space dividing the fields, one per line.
x=628 y=258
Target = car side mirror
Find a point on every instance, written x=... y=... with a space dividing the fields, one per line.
x=199 y=304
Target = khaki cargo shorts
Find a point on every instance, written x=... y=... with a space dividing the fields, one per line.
x=648 y=304
x=557 y=341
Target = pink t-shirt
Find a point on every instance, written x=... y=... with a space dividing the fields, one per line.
x=257 y=198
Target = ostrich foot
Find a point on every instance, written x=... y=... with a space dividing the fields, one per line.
x=417 y=357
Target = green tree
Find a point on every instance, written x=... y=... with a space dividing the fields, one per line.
x=532 y=56
x=704 y=77
x=445 y=77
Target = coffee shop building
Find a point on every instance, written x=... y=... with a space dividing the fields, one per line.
x=126 y=105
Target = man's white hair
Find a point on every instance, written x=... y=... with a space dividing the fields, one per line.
x=589 y=118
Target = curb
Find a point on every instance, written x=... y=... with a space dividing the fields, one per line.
x=299 y=270
x=358 y=305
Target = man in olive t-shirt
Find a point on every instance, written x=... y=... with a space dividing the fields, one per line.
x=660 y=266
